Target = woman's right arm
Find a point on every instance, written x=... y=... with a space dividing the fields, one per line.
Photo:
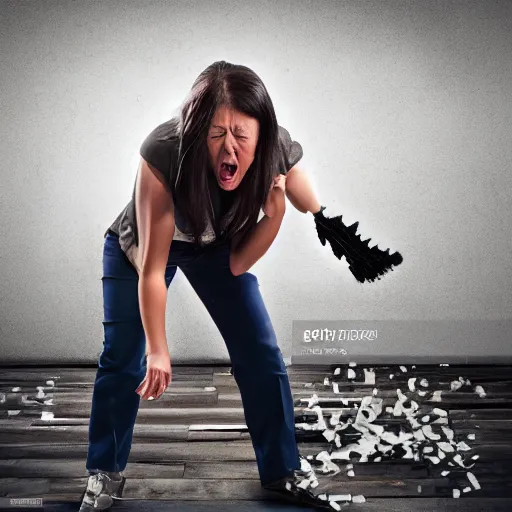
x=155 y=221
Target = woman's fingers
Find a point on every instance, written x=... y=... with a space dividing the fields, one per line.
x=280 y=181
x=154 y=385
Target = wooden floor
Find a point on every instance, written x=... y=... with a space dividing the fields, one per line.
x=183 y=463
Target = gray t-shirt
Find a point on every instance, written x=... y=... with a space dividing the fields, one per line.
x=160 y=149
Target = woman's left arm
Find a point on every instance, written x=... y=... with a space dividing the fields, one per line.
x=246 y=252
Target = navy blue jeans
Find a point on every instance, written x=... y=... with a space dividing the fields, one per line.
x=236 y=306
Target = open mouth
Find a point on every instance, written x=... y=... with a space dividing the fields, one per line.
x=227 y=172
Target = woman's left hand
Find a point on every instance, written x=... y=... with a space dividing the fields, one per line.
x=276 y=198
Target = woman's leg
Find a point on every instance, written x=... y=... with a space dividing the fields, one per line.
x=236 y=306
x=300 y=193
x=122 y=363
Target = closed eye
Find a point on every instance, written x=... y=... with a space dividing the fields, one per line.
x=219 y=136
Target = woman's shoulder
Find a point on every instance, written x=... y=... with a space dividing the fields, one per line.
x=167 y=131
x=291 y=150
x=161 y=145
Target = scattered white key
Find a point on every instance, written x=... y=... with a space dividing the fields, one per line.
x=358 y=499
x=445 y=473
x=436 y=397
x=401 y=396
x=415 y=424
x=16 y=389
x=201 y=427
x=446 y=447
x=471 y=437
x=313 y=400
x=336 y=388
x=403 y=369
x=411 y=385
x=418 y=434
x=455 y=385
x=210 y=388
x=425 y=418
x=337 y=371
x=473 y=480
x=439 y=412
x=458 y=459
x=475 y=457
x=480 y=391
x=427 y=430
x=466 y=489
x=326 y=381
x=350 y=473
x=448 y=432
x=391 y=375
x=46 y=415
x=351 y=374
x=50 y=383
x=340 y=497
x=352 y=364
x=419 y=488
x=424 y=383
x=421 y=393
x=456 y=493
x=304 y=484
x=329 y=434
x=334 y=505
x=369 y=377
x=335 y=418
x=13 y=413
x=462 y=446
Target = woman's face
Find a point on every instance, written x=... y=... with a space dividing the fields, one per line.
x=232 y=140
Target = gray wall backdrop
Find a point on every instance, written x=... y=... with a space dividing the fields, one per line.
x=404 y=112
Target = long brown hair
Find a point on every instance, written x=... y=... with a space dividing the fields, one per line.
x=240 y=88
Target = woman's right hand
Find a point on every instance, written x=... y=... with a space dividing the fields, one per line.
x=158 y=376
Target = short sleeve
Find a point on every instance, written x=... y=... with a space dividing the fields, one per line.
x=160 y=147
x=291 y=150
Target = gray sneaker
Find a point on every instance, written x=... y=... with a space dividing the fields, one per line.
x=101 y=491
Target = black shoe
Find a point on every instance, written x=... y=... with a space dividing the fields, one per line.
x=296 y=488
x=365 y=263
